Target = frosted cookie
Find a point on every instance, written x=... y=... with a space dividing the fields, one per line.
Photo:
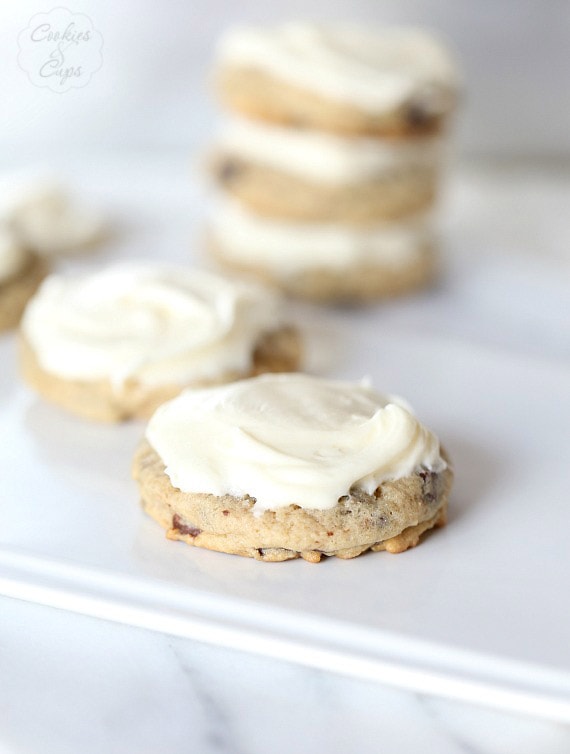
x=345 y=79
x=115 y=344
x=325 y=261
x=297 y=174
x=45 y=216
x=20 y=274
x=287 y=466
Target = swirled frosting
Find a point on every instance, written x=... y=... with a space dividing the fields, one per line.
x=13 y=255
x=376 y=70
x=326 y=158
x=288 y=248
x=156 y=323
x=290 y=438
x=47 y=219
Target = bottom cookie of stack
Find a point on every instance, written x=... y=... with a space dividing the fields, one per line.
x=326 y=262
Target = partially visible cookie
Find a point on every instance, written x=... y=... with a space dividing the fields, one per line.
x=325 y=261
x=115 y=344
x=287 y=466
x=21 y=272
x=344 y=79
x=45 y=216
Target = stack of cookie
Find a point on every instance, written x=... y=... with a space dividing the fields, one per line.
x=330 y=162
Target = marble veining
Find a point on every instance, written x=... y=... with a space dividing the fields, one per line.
x=75 y=684
x=218 y=733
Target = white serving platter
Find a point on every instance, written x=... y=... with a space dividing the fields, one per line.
x=479 y=612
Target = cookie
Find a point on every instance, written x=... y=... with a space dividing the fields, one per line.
x=325 y=261
x=44 y=215
x=286 y=466
x=115 y=344
x=297 y=174
x=343 y=79
x=21 y=272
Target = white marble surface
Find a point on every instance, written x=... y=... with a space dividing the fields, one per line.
x=75 y=684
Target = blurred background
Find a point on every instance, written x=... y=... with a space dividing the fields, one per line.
x=134 y=137
x=152 y=89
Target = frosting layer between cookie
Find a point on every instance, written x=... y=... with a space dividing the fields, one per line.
x=289 y=439
x=326 y=157
x=288 y=247
x=156 y=323
x=375 y=70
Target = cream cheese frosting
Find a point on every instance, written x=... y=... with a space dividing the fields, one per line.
x=156 y=323
x=289 y=439
x=13 y=255
x=375 y=70
x=327 y=158
x=44 y=215
x=289 y=248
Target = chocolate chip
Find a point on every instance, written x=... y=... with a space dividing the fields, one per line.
x=430 y=485
x=228 y=170
x=330 y=533
x=190 y=531
x=416 y=115
x=225 y=513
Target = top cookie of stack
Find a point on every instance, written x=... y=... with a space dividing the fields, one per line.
x=332 y=156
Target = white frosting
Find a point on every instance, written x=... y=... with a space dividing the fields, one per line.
x=375 y=70
x=327 y=158
x=45 y=216
x=13 y=256
x=158 y=323
x=288 y=248
x=286 y=439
